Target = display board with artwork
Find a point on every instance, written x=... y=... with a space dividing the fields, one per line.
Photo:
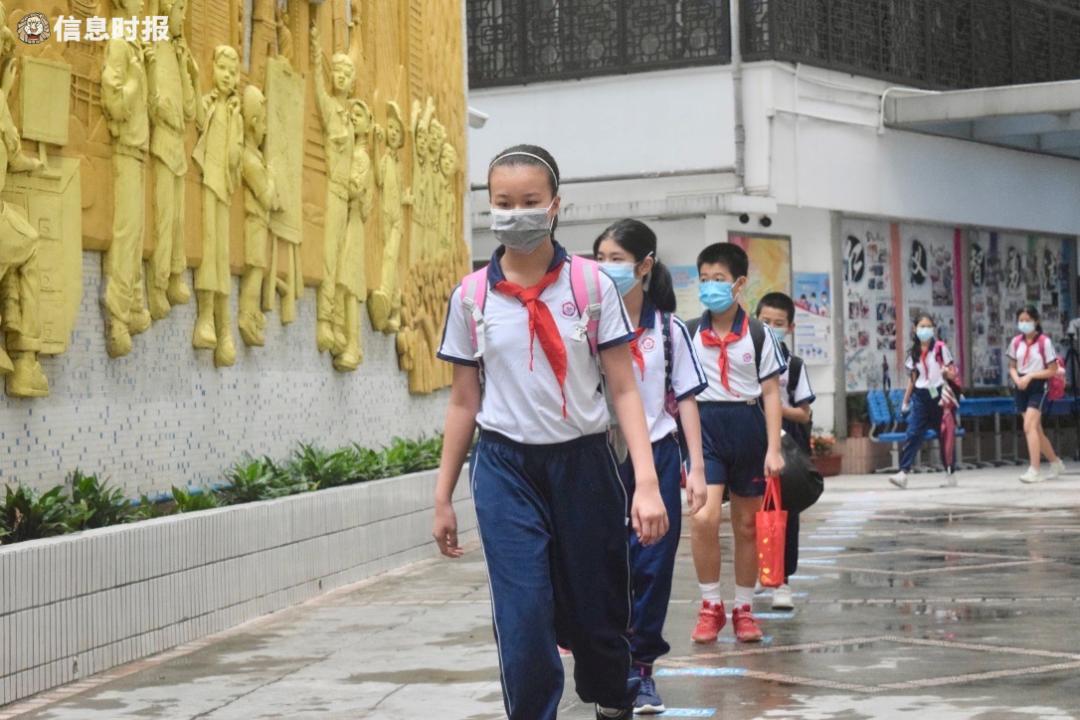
x=869 y=306
x=1007 y=272
x=770 y=266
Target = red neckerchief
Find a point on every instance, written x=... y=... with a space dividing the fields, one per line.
x=542 y=324
x=709 y=339
x=635 y=352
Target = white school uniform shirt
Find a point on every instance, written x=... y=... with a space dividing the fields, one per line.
x=1028 y=358
x=929 y=372
x=687 y=376
x=803 y=393
x=744 y=378
x=525 y=406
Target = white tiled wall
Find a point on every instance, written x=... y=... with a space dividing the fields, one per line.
x=80 y=604
x=165 y=416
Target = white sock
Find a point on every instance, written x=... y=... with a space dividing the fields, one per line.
x=744 y=595
x=711 y=592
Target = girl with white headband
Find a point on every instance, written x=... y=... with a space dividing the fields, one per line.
x=538 y=327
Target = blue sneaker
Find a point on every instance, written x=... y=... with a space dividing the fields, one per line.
x=648 y=699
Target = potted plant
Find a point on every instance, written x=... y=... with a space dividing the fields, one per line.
x=858 y=415
x=826 y=460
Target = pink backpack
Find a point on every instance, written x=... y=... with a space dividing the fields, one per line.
x=584 y=283
x=1055 y=386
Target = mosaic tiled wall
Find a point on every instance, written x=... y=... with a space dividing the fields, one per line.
x=165 y=416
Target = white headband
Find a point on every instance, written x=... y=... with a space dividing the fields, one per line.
x=528 y=154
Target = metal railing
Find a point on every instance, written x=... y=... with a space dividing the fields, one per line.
x=925 y=43
x=513 y=42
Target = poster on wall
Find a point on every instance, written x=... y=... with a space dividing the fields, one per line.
x=1008 y=272
x=770 y=266
x=813 y=318
x=684 y=279
x=868 y=305
x=930 y=281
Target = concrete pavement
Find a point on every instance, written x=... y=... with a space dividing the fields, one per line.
x=929 y=603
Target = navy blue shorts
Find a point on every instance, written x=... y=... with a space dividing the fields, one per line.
x=1033 y=397
x=735 y=441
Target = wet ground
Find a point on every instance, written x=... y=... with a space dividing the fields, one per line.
x=929 y=604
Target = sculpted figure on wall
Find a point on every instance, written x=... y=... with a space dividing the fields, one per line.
x=260 y=197
x=384 y=305
x=124 y=102
x=421 y=180
x=173 y=78
x=435 y=139
x=20 y=279
x=339 y=136
x=217 y=153
x=447 y=206
x=351 y=281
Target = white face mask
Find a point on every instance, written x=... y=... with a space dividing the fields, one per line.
x=521 y=230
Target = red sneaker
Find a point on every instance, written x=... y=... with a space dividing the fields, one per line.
x=746 y=627
x=711 y=620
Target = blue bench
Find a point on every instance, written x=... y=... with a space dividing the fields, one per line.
x=888 y=425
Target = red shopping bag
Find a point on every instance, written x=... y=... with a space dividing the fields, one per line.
x=771 y=523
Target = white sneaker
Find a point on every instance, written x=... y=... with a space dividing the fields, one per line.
x=1056 y=469
x=782 y=598
x=1031 y=476
x=899 y=480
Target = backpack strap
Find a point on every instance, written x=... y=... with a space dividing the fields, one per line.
x=585 y=284
x=795 y=369
x=665 y=319
x=757 y=334
x=1042 y=349
x=473 y=296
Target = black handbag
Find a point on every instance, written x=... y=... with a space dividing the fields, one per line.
x=800 y=483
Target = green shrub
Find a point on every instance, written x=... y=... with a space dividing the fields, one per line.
x=193 y=501
x=26 y=515
x=321 y=469
x=104 y=505
x=148 y=509
x=29 y=516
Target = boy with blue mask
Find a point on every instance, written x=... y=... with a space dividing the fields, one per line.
x=777 y=311
x=740 y=427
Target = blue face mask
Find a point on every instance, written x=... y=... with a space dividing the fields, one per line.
x=622 y=274
x=925 y=334
x=778 y=334
x=716 y=295
x=1026 y=327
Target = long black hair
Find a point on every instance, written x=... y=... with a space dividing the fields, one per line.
x=916 y=343
x=1032 y=312
x=533 y=156
x=638 y=239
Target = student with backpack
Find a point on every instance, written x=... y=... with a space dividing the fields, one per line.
x=740 y=428
x=669 y=376
x=1038 y=375
x=931 y=368
x=777 y=311
x=538 y=326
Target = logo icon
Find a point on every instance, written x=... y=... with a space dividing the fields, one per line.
x=33 y=28
x=747 y=357
x=569 y=309
x=648 y=344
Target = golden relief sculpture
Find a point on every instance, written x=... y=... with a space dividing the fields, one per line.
x=124 y=102
x=260 y=197
x=339 y=137
x=172 y=76
x=20 y=278
x=384 y=305
x=315 y=191
x=218 y=154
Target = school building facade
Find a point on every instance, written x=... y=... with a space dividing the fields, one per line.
x=874 y=158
